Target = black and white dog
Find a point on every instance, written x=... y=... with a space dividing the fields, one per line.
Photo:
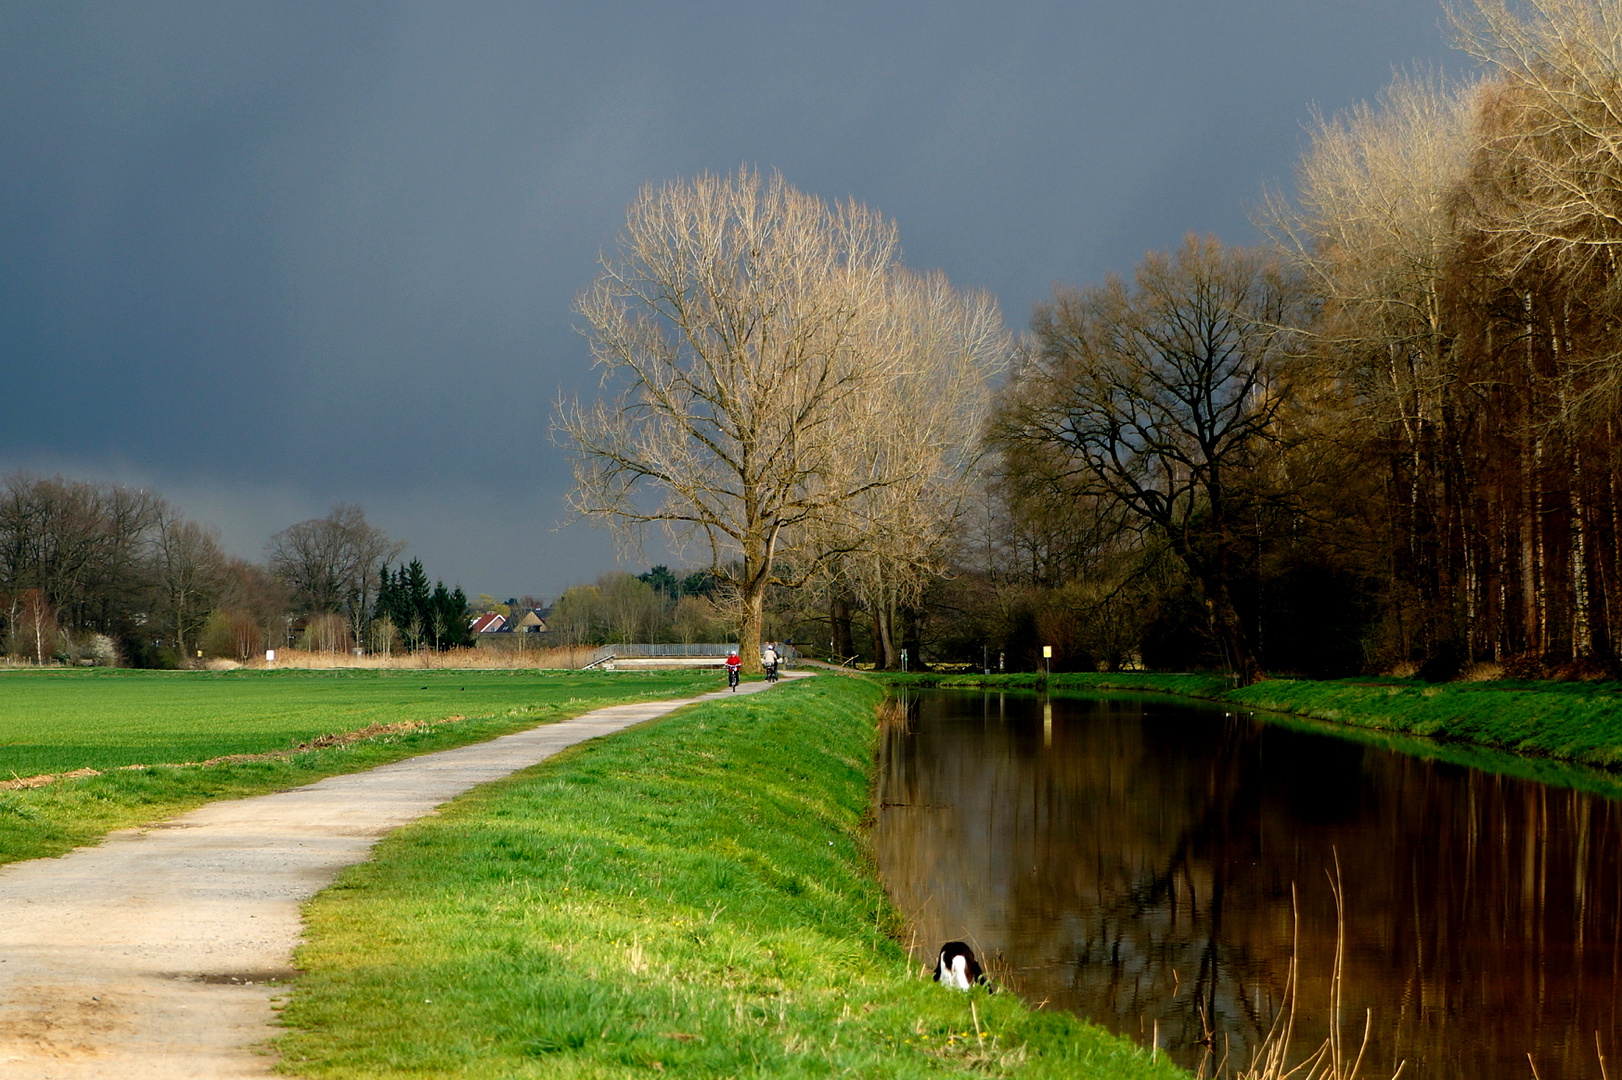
x=957 y=967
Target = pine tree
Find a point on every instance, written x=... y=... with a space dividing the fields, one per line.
x=424 y=617
x=461 y=634
x=416 y=605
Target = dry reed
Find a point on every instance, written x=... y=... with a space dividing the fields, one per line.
x=1328 y=1061
x=894 y=713
x=563 y=657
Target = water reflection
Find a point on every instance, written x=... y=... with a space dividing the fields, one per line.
x=1133 y=860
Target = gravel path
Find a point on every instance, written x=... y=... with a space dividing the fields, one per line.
x=156 y=953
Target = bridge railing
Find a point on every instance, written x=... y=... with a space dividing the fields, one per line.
x=646 y=651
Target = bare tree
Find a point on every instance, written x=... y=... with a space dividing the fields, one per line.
x=332 y=564
x=1558 y=66
x=1374 y=230
x=80 y=543
x=1160 y=397
x=630 y=609
x=727 y=324
x=694 y=619
x=326 y=632
x=33 y=625
x=189 y=574
x=252 y=610
x=912 y=446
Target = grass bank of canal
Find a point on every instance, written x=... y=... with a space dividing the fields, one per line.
x=696 y=897
x=1565 y=722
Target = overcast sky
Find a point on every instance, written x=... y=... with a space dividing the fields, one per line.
x=265 y=257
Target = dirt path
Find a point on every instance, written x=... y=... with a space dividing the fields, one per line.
x=155 y=954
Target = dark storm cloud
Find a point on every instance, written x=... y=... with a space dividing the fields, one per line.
x=265 y=257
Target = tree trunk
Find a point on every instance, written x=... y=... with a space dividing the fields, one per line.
x=1230 y=632
x=1540 y=564
x=1229 y=629
x=885 y=657
x=1582 y=635
x=754 y=615
x=1613 y=580
x=1471 y=594
x=758 y=549
x=839 y=629
x=1529 y=567
x=39 y=628
x=912 y=637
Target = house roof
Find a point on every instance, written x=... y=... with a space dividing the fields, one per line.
x=488 y=623
x=530 y=620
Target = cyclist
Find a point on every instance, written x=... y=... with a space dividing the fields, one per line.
x=734 y=666
x=768 y=660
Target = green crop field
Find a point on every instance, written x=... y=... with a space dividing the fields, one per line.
x=60 y=722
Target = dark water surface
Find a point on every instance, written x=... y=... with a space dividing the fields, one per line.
x=1132 y=860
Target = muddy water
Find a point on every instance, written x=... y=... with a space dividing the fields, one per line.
x=1134 y=860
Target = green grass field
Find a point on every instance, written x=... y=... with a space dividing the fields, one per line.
x=691 y=898
x=55 y=722
x=58 y=721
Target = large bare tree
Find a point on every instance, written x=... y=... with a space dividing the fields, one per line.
x=1161 y=397
x=332 y=564
x=728 y=323
x=1372 y=228
x=913 y=445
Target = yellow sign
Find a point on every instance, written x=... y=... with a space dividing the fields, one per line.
x=1047 y=652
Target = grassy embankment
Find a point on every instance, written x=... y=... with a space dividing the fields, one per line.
x=691 y=898
x=63 y=721
x=1563 y=722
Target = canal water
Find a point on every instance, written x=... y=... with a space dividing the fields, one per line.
x=1154 y=865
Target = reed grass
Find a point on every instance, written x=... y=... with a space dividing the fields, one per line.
x=560 y=657
x=1329 y=1060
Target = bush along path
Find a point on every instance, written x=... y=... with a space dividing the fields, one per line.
x=157 y=953
x=693 y=898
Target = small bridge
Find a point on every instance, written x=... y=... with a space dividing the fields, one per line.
x=618 y=657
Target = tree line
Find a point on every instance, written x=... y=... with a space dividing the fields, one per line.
x=1386 y=440
x=1464 y=243
x=104 y=574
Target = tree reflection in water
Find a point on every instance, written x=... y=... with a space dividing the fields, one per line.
x=1133 y=859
